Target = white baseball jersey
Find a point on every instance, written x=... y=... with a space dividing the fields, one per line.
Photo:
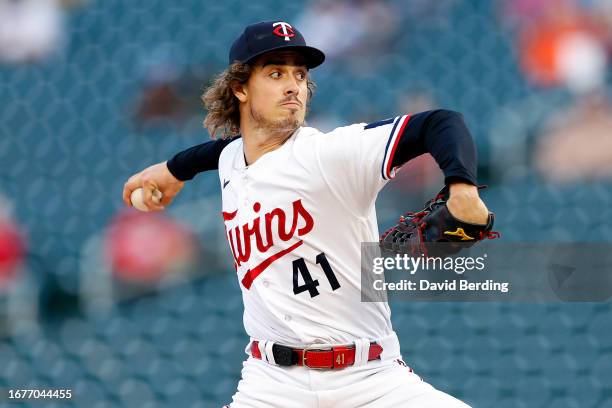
x=295 y=220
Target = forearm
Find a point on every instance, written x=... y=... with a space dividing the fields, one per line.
x=197 y=159
x=444 y=135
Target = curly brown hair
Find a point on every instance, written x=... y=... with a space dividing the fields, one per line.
x=223 y=114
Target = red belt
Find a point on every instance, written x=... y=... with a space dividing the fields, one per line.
x=318 y=358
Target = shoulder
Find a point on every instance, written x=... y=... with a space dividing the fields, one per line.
x=230 y=149
x=382 y=125
x=309 y=134
x=233 y=145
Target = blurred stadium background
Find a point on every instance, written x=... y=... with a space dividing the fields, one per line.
x=144 y=310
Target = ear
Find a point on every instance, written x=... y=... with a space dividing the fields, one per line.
x=240 y=91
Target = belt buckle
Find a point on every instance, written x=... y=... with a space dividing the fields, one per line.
x=315 y=347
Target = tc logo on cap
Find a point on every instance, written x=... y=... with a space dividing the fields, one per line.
x=283 y=30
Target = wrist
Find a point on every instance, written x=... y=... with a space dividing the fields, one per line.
x=465 y=204
x=461 y=188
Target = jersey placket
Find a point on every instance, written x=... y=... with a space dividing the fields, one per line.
x=243 y=195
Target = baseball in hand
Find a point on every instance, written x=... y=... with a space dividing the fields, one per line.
x=137 y=199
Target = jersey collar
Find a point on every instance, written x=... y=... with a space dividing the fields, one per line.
x=240 y=162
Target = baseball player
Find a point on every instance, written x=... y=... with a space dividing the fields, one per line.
x=296 y=204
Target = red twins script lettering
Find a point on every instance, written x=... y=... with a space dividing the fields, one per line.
x=239 y=237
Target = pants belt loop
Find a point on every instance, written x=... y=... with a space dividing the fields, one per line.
x=261 y=345
x=362 y=349
x=268 y=352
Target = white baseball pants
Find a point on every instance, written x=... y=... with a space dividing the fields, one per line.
x=384 y=383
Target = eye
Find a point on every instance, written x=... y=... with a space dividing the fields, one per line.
x=301 y=75
x=275 y=74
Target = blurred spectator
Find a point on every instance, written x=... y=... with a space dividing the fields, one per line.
x=350 y=31
x=602 y=10
x=144 y=248
x=161 y=101
x=576 y=144
x=12 y=247
x=30 y=30
x=171 y=90
x=524 y=12
x=559 y=43
x=565 y=44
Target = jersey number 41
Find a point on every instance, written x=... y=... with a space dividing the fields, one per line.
x=310 y=285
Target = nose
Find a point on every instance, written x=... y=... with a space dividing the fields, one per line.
x=292 y=87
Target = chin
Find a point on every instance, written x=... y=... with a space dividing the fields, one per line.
x=298 y=115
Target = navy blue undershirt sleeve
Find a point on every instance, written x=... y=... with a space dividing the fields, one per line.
x=443 y=134
x=197 y=159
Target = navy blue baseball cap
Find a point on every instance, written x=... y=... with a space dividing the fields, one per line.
x=259 y=38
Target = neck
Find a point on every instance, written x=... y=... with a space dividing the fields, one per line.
x=258 y=142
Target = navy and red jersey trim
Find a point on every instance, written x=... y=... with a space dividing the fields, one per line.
x=387 y=172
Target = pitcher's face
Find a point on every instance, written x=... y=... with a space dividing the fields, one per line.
x=277 y=92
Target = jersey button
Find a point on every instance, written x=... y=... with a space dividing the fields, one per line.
x=266 y=283
x=287 y=318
